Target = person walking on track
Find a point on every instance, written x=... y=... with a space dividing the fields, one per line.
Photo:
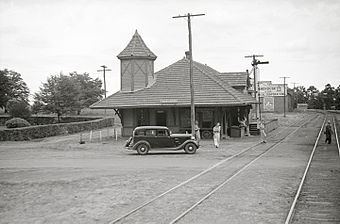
x=217 y=134
x=328 y=132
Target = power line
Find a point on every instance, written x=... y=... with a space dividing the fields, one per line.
x=191 y=69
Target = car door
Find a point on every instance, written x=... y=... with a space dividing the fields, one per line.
x=150 y=136
x=163 y=139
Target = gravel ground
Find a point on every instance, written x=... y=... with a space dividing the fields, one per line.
x=58 y=180
x=262 y=193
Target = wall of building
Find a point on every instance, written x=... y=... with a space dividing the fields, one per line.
x=177 y=119
x=136 y=74
x=127 y=122
x=276 y=104
x=279 y=102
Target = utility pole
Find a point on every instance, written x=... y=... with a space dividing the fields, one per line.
x=284 y=94
x=294 y=83
x=254 y=63
x=258 y=83
x=191 y=70
x=103 y=70
x=295 y=103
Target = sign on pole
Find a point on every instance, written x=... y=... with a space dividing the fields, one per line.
x=267 y=89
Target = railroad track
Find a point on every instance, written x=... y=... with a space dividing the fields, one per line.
x=317 y=199
x=192 y=192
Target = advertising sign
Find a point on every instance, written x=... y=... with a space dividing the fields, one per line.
x=268 y=104
x=266 y=88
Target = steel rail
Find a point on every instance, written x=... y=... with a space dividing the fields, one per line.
x=234 y=175
x=198 y=175
x=292 y=207
x=181 y=184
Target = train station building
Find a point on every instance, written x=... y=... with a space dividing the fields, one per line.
x=163 y=97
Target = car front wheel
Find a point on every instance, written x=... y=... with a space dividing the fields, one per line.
x=190 y=148
x=142 y=149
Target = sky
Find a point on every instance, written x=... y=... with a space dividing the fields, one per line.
x=299 y=38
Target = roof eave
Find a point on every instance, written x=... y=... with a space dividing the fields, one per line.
x=173 y=105
x=126 y=57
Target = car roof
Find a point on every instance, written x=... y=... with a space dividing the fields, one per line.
x=151 y=127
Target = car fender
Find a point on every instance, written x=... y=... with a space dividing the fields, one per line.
x=128 y=143
x=186 y=142
x=139 y=142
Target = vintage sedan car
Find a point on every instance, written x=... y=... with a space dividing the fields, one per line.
x=147 y=138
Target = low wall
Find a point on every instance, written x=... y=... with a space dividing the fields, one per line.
x=48 y=119
x=334 y=111
x=41 y=131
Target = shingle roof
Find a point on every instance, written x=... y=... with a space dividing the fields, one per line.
x=172 y=87
x=235 y=78
x=136 y=48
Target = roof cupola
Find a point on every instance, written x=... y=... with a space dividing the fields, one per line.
x=136 y=65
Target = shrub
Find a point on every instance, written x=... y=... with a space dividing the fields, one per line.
x=17 y=123
x=17 y=108
x=41 y=131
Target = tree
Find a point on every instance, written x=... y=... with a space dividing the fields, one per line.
x=37 y=107
x=12 y=86
x=328 y=97
x=90 y=89
x=300 y=95
x=4 y=89
x=59 y=95
x=313 y=98
x=18 y=108
x=67 y=94
x=337 y=98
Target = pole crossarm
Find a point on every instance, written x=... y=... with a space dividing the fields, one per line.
x=188 y=15
x=254 y=56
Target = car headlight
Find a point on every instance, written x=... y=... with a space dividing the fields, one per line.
x=192 y=137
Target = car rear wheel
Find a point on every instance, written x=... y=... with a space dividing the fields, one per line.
x=142 y=149
x=190 y=148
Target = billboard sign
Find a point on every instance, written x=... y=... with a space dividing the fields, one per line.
x=267 y=89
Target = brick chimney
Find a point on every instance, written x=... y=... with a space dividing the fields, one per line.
x=187 y=55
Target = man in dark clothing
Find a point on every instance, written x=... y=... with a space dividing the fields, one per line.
x=328 y=133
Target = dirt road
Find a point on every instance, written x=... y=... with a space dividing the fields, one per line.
x=58 y=180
